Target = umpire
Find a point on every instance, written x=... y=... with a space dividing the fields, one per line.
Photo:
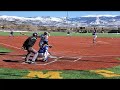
x=27 y=45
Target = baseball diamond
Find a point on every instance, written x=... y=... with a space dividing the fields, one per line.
x=72 y=53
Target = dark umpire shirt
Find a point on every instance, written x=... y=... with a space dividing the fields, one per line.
x=29 y=42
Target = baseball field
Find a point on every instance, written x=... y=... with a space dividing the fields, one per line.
x=77 y=57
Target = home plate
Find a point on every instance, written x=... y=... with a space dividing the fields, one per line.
x=24 y=63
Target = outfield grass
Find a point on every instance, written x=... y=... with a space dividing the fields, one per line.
x=115 y=35
x=15 y=33
x=64 y=34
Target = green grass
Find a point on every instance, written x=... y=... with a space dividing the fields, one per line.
x=116 y=70
x=15 y=33
x=3 y=49
x=6 y=73
x=72 y=34
x=115 y=35
x=80 y=74
x=4 y=33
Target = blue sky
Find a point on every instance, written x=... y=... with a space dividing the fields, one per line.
x=57 y=13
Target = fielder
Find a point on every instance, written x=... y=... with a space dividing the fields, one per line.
x=11 y=33
x=94 y=35
x=68 y=33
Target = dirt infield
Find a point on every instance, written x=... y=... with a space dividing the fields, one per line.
x=75 y=53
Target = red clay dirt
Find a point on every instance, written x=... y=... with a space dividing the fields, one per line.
x=76 y=53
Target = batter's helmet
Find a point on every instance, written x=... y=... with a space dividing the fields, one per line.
x=45 y=33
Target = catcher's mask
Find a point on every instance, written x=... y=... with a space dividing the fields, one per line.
x=35 y=34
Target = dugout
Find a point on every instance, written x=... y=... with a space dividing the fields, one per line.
x=114 y=31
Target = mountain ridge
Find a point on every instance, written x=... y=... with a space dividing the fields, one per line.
x=89 y=20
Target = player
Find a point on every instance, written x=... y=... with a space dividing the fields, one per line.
x=68 y=33
x=94 y=35
x=11 y=33
x=27 y=45
x=43 y=51
x=44 y=37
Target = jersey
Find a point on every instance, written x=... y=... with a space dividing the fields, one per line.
x=43 y=49
x=68 y=32
x=43 y=38
x=11 y=32
x=29 y=42
x=94 y=33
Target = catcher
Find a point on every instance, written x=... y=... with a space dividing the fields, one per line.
x=43 y=51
